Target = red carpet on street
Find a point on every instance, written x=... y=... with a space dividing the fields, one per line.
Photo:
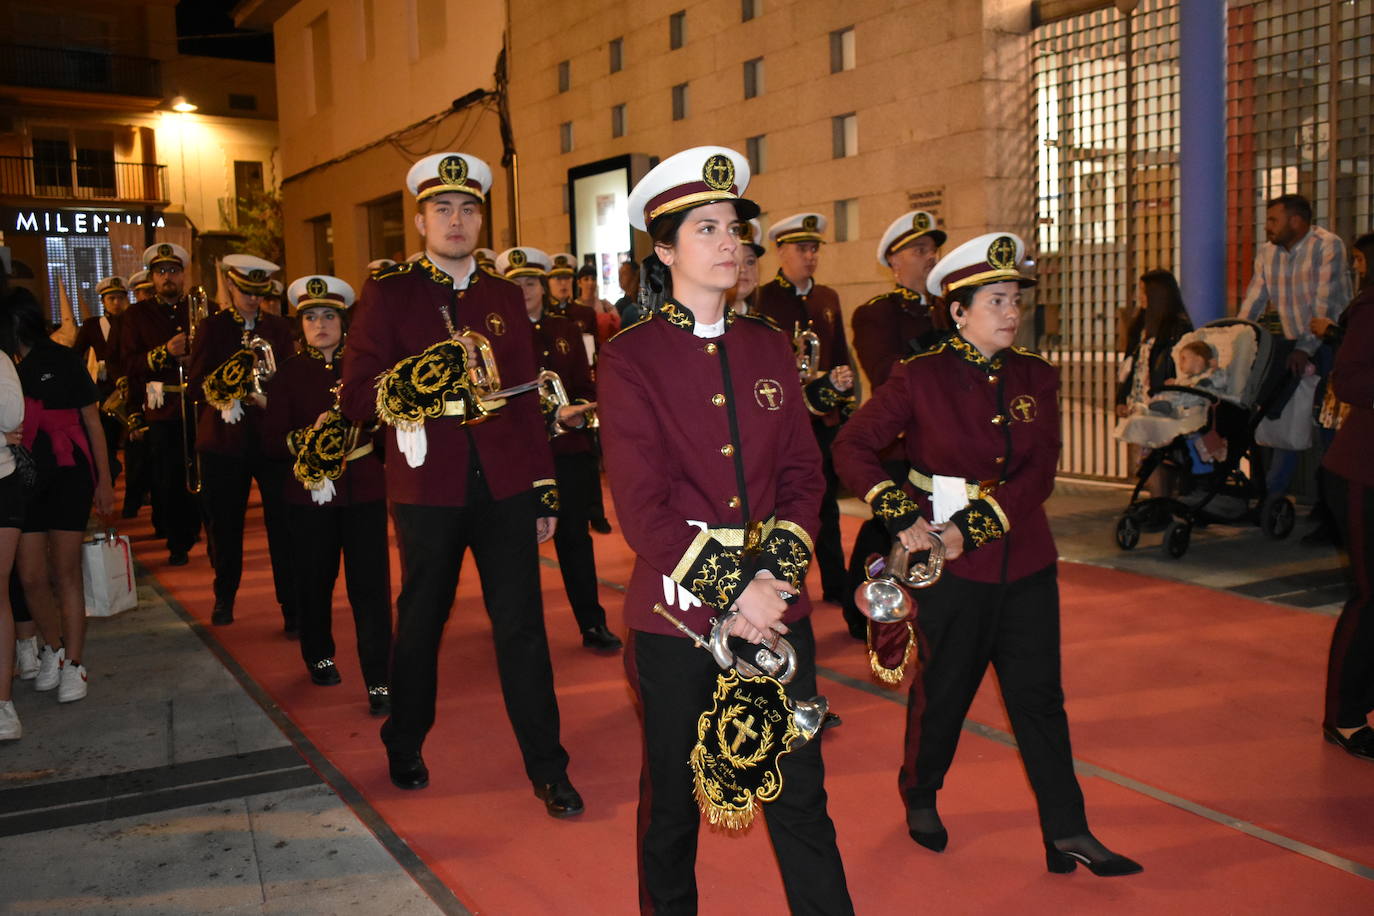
x=1195 y=716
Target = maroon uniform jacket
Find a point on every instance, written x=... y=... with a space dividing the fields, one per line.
x=219 y=337
x=1353 y=381
x=106 y=348
x=994 y=423
x=399 y=315
x=668 y=402
x=893 y=326
x=301 y=390
x=558 y=348
x=144 y=332
x=584 y=316
x=779 y=302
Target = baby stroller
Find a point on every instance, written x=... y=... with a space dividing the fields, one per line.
x=1224 y=428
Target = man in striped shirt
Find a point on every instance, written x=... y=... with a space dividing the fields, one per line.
x=1300 y=274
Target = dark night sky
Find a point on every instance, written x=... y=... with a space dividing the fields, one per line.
x=211 y=17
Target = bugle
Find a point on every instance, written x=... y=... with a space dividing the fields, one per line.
x=883 y=597
x=197 y=310
x=806 y=344
x=264 y=362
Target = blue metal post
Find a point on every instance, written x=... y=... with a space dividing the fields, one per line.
x=1202 y=158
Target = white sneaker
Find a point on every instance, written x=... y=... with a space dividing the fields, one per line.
x=49 y=668
x=73 y=685
x=9 y=722
x=26 y=658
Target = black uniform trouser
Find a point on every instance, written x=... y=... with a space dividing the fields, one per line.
x=319 y=535
x=1350 y=665
x=674 y=681
x=501 y=535
x=114 y=431
x=173 y=504
x=964 y=625
x=578 y=479
x=224 y=493
x=598 y=499
x=138 y=475
x=829 y=549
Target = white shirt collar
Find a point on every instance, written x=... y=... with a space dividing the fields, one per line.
x=715 y=329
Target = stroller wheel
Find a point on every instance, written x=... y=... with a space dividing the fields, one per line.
x=1176 y=539
x=1127 y=532
x=1277 y=517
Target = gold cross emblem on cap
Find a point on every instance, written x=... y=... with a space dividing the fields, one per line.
x=316 y=287
x=718 y=173
x=810 y=223
x=1002 y=253
x=165 y=250
x=453 y=169
x=257 y=275
x=517 y=258
x=921 y=221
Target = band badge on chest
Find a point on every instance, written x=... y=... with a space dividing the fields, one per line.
x=768 y=394
x=1023 y=408
x=496 y=324
x=562 y=346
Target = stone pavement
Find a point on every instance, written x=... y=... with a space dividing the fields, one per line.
x=175 y=787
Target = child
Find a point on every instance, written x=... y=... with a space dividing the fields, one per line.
x=1197 y=368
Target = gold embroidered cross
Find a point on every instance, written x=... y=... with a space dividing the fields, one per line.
x=769 y=392
x=743 y=730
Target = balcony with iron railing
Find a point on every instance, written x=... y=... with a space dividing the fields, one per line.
x=79 y=71
x=81 y=179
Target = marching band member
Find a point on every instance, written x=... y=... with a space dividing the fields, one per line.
x=485 y=257
x=717 y=478
x=562 y=274
x=97 y=343
x=889 y=327
x=153 y=346
x=329 y=516
x=742 y=297
x=378 y=264
x=138 y=467
x=557 y=347
x=141 y=286
x=980 y=425
x=453 y=486
x=225 y=368
x=794 y=301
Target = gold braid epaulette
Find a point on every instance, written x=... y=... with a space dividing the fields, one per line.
x=414 y=389
x=229 y=381
x=321 y=453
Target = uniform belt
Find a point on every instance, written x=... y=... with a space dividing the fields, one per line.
x=735 y=535
x=976 y=489
x=173 y=389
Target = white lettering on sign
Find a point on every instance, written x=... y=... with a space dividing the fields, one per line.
x=75 y=222
x=25 y=221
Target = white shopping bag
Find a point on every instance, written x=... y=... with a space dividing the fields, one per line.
x=1291 y=430
x=107 y=575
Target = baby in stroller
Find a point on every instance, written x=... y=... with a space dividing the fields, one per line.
x=1197 y=368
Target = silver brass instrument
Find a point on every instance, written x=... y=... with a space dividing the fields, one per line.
x=778 y=662
x=264 y=362
x=806 y=344
x=116 y=405
x=883 y=597
x=197 y=310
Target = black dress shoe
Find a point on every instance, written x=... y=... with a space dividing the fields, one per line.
x=1359 y=744
x=598 y=637
x=560 y=798
x=408 y=771
x=1100 y=860
x=325 y=673
x=600 y=525
x=927 y=829
x=223 y=614
x=178 y=558
x=379 y=700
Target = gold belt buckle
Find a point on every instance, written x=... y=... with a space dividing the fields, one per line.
x=753 y=538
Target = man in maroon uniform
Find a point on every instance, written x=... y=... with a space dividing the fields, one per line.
x=891 y=326
x=794 y=301
x=558 y=348
x=229 y=436
x=154 y=347
x=453 y=485
x=97 y=343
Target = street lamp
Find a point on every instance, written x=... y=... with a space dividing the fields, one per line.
x=180 y=104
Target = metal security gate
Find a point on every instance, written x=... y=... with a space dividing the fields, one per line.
x=1300 y=103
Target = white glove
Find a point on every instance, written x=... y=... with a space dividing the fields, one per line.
x=233 y=413
x=949 y=496
x=324 y=494
x=413 y=444
x=155 y=397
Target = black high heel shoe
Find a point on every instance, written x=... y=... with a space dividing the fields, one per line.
x=926 y=829
x=1105 y=864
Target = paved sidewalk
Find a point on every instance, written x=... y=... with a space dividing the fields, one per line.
x=169 y=789
x=174 y=788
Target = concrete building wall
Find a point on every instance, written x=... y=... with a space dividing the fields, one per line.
x=938 y=89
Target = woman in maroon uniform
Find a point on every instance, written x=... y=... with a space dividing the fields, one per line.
x=342 y=516
x=980 y=420
x=708 y=444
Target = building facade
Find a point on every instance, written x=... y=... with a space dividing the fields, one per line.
x=90 y=141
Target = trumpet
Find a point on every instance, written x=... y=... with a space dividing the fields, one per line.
x=806 y=344
x=883 y=597
x=197 y=310
x=264 y=362
x=116 y=405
